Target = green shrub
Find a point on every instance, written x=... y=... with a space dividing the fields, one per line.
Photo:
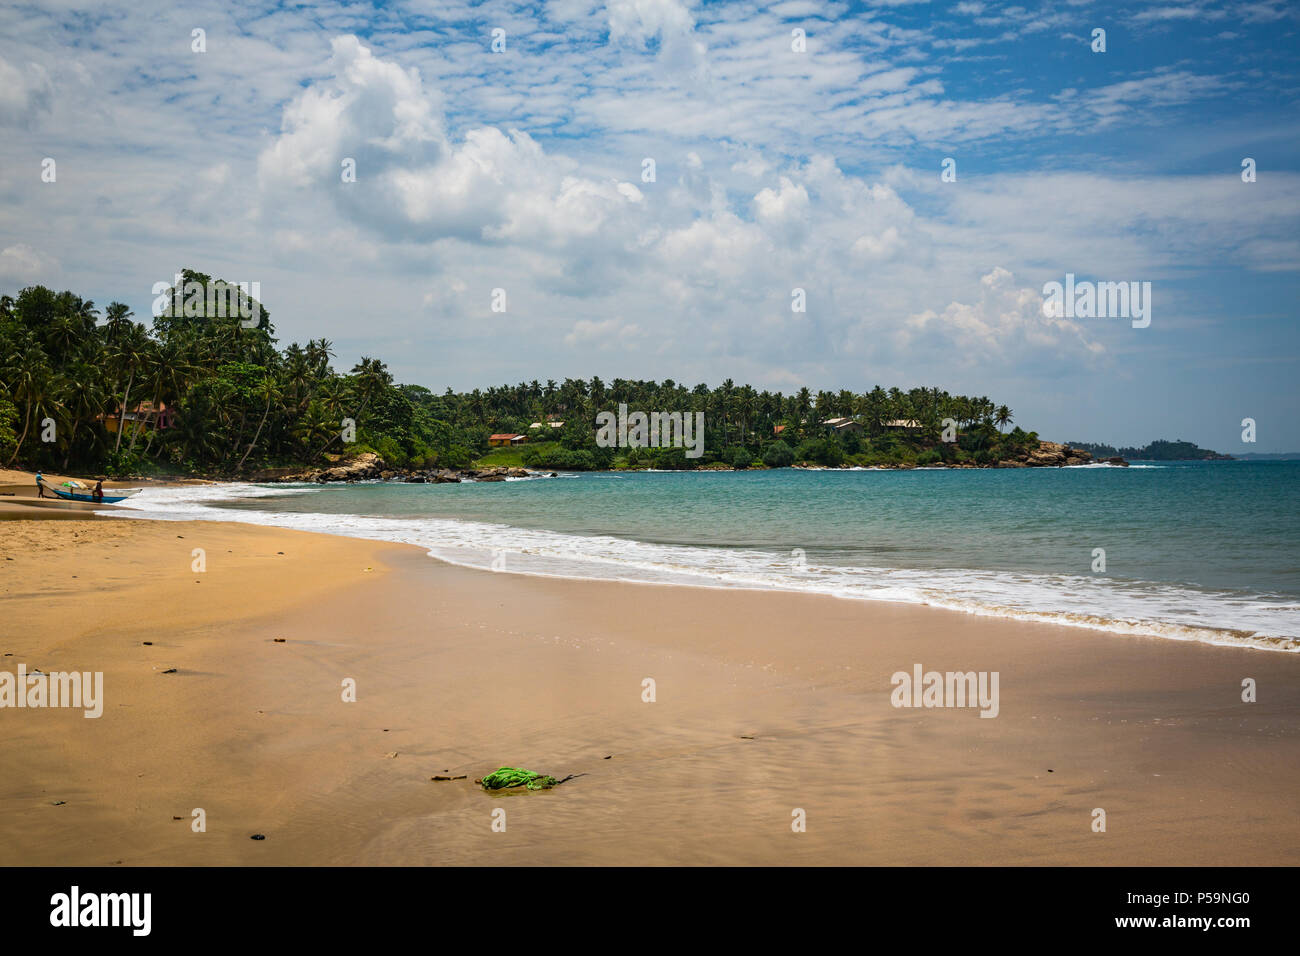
x=778 y=455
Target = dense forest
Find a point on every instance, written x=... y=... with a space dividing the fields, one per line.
x=237 y=403
x=1160 y=450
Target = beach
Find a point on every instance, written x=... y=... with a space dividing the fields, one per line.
x=765 y=704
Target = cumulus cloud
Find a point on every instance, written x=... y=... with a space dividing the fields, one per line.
x=1006 y=322
x=605 y=334
x=23 y=265
x=26 y=93
x=412 y=179
x=669 y=22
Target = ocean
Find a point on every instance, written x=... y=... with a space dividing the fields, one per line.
x=1202 y=551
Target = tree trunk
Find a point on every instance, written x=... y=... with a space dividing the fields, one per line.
x=121 y=417
x=136 y=431
x=257 y=434
x=72 y=437
x=26 y=422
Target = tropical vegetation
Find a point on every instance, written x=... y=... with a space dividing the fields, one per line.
x=240 y=404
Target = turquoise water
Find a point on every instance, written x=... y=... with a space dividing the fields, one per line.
x=1201 y=550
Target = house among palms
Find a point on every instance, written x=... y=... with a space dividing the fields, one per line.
x=505 y=438
x=842 y=426
x=901 y=425
x=143 y=414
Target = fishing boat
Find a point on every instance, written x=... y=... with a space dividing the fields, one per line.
x=78 y=491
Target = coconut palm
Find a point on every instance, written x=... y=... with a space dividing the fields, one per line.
x=129 y=356
x=269 y=390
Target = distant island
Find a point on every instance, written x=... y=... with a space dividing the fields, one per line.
x=1159 y=450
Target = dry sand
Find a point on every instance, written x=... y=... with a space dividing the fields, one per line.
x=765 y=702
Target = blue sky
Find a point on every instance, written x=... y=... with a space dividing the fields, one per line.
x=775 y=170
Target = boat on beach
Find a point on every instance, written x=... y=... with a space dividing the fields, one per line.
x=78 y=491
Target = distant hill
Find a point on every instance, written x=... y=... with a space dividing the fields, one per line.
x=1160 y=450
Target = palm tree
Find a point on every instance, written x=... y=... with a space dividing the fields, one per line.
x=83 y=386
x=269 y=390
x=117 y=318
x=1003 y=416
x=27 y=375
x=128 y=357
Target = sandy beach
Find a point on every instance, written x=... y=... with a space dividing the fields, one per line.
x=765 y=703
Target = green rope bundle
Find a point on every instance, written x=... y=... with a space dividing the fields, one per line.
x=507 y=777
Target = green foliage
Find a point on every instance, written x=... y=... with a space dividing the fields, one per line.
x=241 y=402
x=671 y=459
x=8 y=428
x=778 y=455
x=821 y=451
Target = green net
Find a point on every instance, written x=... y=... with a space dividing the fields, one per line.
x=507 y=777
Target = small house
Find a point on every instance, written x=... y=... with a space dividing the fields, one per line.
x=901 y=425
x=842 y=426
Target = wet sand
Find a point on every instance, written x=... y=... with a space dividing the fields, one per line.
x=765 y=703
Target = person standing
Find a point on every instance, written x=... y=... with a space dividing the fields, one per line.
x=40 y=489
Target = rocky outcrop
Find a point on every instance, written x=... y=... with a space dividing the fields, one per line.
x=1048 y=454
x=369 y=466
x=361 y=468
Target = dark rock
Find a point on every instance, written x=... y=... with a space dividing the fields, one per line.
x=257 y=836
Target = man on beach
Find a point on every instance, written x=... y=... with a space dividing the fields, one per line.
x=40 y=489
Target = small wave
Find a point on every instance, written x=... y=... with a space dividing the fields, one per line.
x=1109 y=604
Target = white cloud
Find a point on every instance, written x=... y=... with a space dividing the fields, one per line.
x=668 y=21
x=25 y=94
x=411 y=179
x=1005 y=323
x=21 y=265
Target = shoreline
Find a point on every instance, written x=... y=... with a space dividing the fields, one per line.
x=566 y=555
x=765 y=702
x=967 y=592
